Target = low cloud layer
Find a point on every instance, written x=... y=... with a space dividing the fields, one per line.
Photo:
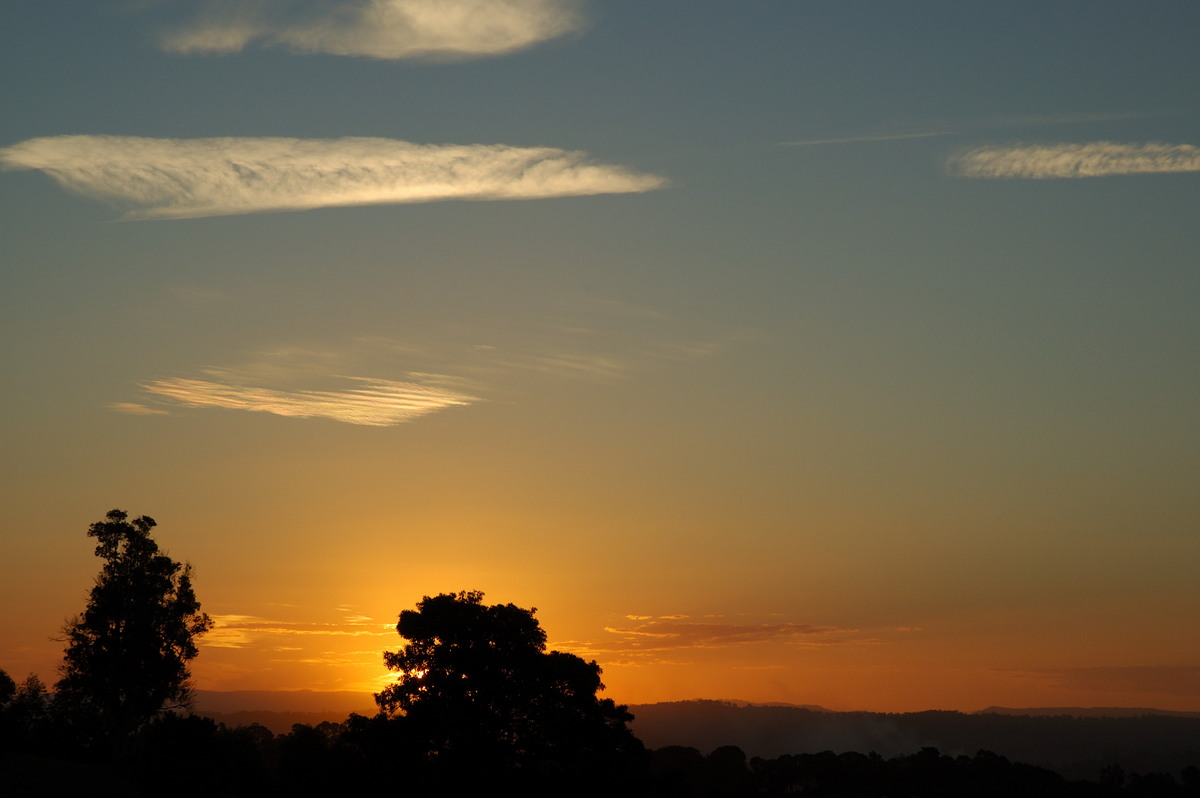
x=384 y=29
x=190 y=178
x=1093 y=159
x=378 y=403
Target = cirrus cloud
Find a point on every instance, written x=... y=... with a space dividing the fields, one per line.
x=191 y=178
x=660 y=633
x=677 y=632
x=383 y=29
x=414 y=377
x=377 y=403
x=137 y=409
x=674 y=639
x=1091 y=159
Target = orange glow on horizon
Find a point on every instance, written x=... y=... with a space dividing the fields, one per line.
x=901 y=670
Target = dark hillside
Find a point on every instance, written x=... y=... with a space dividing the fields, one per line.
x=1077 y=747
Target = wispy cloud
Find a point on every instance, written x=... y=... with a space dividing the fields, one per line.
x=400 y=379
x=1164 y=679
x=662 y=634
x=602 y=343
x=674 y=639
x=251 y=631
x=338 y=648
x=385 y=29
x=1092 y=159
x=376 y=402
x=859 y=139
x=190 y=178
x=137 y=409
x=954 y=127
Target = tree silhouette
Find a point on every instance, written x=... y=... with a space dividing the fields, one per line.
x=127 y=654
x=8 y=687
x=481 y=692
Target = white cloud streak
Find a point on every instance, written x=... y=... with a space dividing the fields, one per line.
x=377 y=403
x=190 y=178
x=1092 y=159
x=383 y=29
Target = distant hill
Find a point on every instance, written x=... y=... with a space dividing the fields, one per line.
x=1064 y=740
x=283 y=701
x=279 y=710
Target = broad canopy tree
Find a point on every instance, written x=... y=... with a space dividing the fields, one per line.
x=478 y=688
x=127 y=655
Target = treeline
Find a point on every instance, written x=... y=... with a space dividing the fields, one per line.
x=195 y=757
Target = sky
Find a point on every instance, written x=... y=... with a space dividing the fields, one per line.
x=817 y=351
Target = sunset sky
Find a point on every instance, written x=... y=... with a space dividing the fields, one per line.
x=822 y=351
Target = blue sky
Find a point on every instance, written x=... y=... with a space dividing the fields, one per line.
x=871 y=319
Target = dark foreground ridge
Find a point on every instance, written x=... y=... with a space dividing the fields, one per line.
x=692 y=748
x=763 y=751
x=193 y=756
x=1077 y=742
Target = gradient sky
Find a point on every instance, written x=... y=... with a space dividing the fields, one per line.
x=830 y=352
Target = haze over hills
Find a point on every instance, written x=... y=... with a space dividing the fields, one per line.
x=1087 y=712
x=279 y=710
x=1075 y=741
x=283 y=701
x=342 y=702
